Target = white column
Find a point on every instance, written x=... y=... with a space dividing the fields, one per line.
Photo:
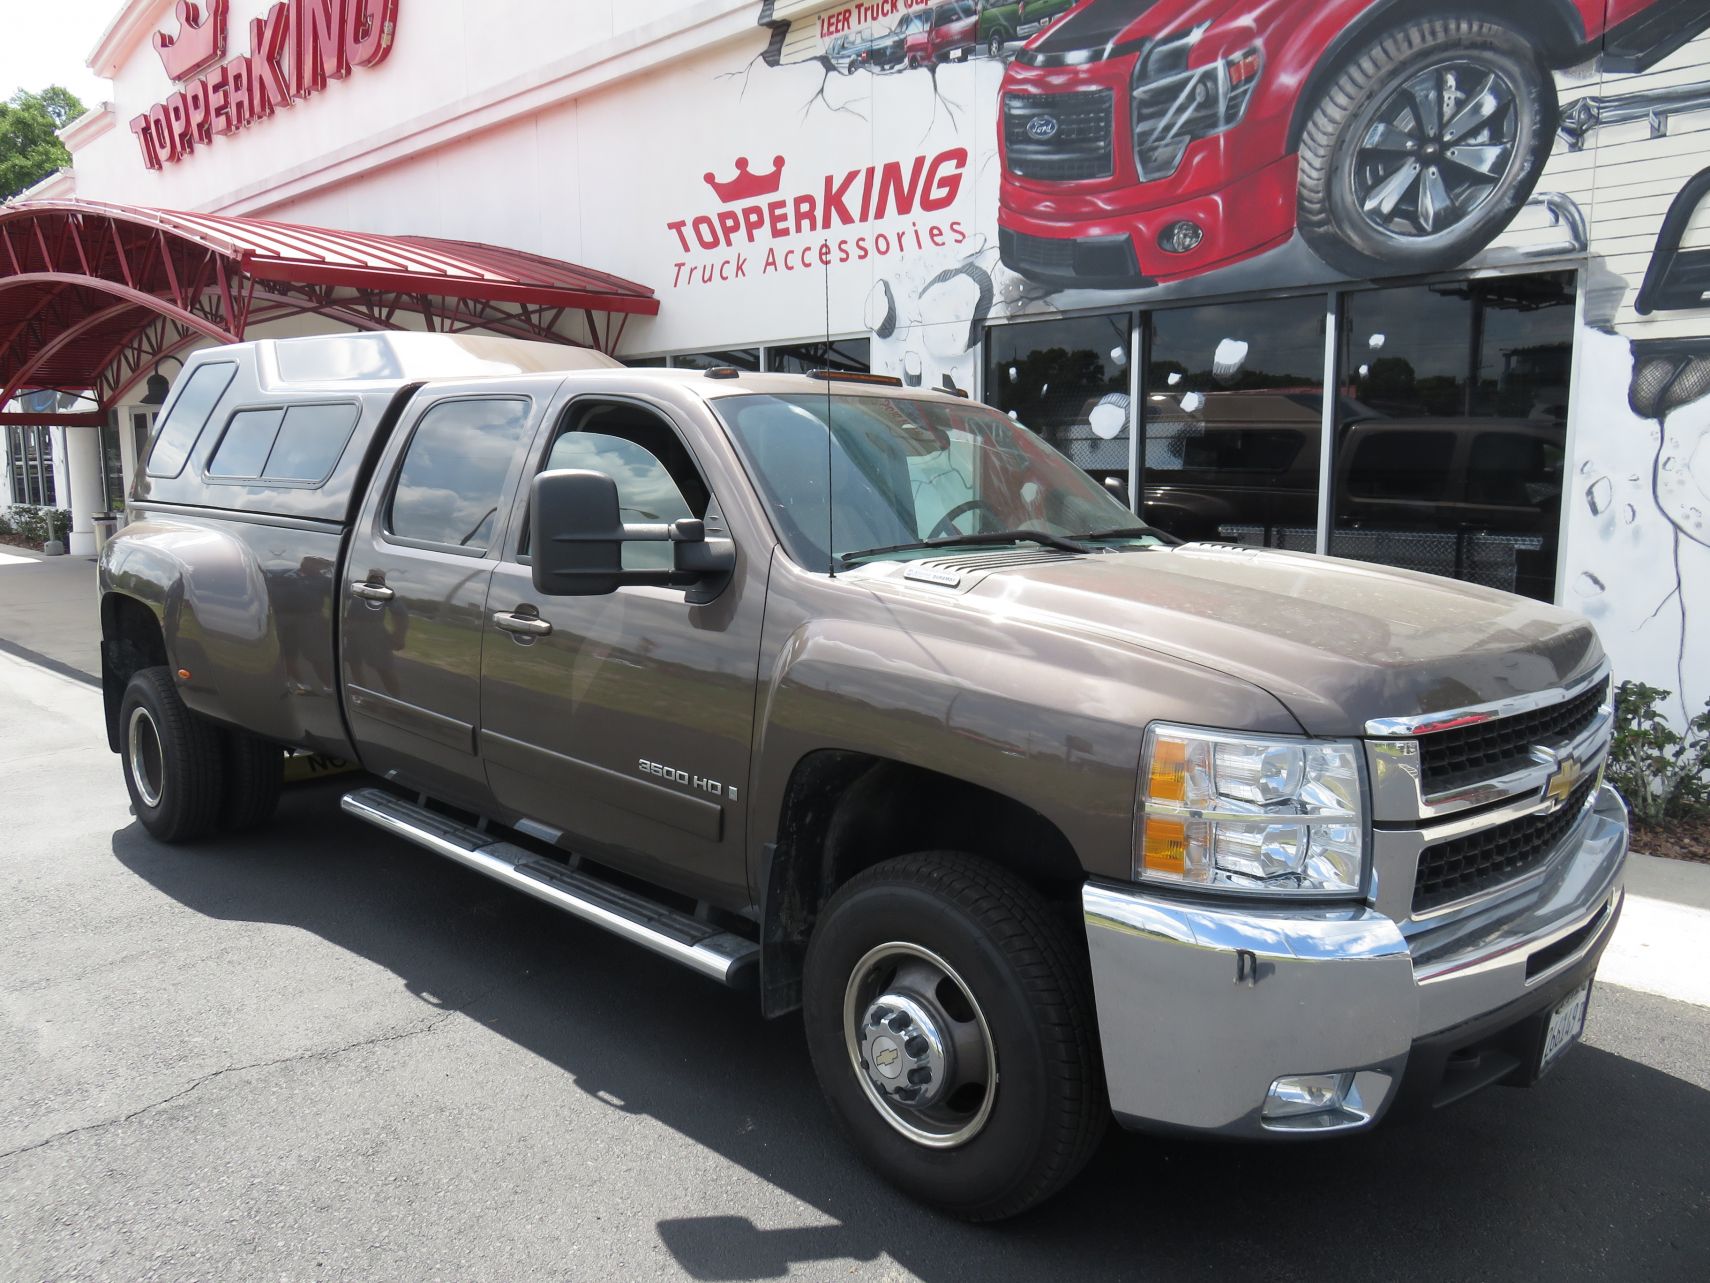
x=82 y=487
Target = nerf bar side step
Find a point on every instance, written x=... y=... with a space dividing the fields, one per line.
x=700 y=946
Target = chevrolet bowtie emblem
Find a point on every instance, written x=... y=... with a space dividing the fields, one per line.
x=1561 y=784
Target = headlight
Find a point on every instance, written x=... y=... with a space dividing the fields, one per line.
x=1243 y=813
x=1171 y=104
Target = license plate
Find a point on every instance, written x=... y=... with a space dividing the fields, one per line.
x=1567 y=1023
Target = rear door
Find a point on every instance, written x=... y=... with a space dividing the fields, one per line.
x=624 y=722
x=414 y=588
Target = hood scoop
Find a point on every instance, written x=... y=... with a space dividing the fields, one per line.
x=953 y=571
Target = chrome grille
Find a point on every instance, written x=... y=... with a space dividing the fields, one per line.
x=1468 y=801
x=1466 y=866
x=1451 y=758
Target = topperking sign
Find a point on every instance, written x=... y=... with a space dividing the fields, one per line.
x=296 y=49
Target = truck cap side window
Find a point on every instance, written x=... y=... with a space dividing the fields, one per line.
x=297 y=445
x=452 y=479
x=189 y=414
x=657 y=480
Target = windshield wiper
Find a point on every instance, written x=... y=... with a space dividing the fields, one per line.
x=984 y=537
x=1130 y=532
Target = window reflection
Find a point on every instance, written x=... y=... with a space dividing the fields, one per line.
x=1068 y=381
x=739 y=358
x=1232 y=412
x=1451 y=430
x=852 y=355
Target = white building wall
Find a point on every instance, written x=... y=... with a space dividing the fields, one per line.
x=584 y=131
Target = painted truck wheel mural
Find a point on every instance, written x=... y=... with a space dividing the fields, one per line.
x=1151 y=141
x=1139 y=161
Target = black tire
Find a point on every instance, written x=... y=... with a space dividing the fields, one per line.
x=255 y=770
x=995 y=45
x=180 y=758
x=1030 y=983
x=914 y=62
x=1339 y=173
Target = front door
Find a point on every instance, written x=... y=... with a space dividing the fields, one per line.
x=624 y=721
x=414 y=591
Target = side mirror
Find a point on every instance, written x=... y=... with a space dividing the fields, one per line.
x=577 y=534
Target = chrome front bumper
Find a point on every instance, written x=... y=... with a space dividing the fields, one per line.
x=1202 y=1006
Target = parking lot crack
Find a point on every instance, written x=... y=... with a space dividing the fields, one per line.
x=321 y=1053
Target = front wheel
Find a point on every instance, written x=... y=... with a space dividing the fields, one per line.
x=995 y=47
x=1423 y=148
x=950 y=1020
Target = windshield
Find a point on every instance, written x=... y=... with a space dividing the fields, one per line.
x=907 y=472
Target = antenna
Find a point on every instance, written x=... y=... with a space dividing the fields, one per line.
x=830 y=498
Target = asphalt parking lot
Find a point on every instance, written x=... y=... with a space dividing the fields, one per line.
x=321 y=1053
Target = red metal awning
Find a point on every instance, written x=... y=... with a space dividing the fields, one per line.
x=93 y=294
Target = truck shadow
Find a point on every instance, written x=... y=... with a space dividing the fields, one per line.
x=1599 y=1170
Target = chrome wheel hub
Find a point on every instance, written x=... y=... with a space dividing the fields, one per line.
x=147 y=761
x=919 y=1045
x=904 y=1051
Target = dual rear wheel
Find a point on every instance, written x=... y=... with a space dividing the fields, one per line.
x=186 y=776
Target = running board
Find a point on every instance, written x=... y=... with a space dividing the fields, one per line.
x=700 y=946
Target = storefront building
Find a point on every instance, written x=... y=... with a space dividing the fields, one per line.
x=1374 y=278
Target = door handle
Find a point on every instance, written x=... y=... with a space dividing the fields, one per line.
x=522 y=625
x=372 y=592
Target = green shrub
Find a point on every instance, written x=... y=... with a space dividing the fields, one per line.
x=1662 y=773
x=35 y=526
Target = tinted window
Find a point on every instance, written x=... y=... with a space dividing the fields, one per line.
x=453 y=475
x=1486 y=364
x=1067 y=380
x=243 y=449
x=183 y=423
x=310 y=442
x=1513 y=470
x=1402 y=465
x=740 y=358
x=1241 y=449
x=839 y=354
x=1231 y=420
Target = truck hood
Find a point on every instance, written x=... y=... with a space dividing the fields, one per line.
x=1338 y=642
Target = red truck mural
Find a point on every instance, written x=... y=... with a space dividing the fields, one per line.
x=1146 y=141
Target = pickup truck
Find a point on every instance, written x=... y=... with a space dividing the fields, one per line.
x=864 y=698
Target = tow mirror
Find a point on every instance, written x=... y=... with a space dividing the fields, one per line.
x=577 y=534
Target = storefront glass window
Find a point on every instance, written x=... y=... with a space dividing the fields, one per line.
x=1451 y=430
x=1232 y=411
x=1068 y=381
x=839 y=354
x=740 y=358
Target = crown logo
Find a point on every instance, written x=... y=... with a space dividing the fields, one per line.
x=747 y=185
x=200 y=42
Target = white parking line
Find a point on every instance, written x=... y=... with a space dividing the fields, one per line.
x=1659 y=947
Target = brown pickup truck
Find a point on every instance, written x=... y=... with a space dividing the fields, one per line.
x=867 y=699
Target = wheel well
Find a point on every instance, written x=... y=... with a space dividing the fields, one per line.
x=1553 y=26
x=131 y=639
x=844 y=812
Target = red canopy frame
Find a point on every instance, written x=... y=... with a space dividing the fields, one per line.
x=93 y=295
